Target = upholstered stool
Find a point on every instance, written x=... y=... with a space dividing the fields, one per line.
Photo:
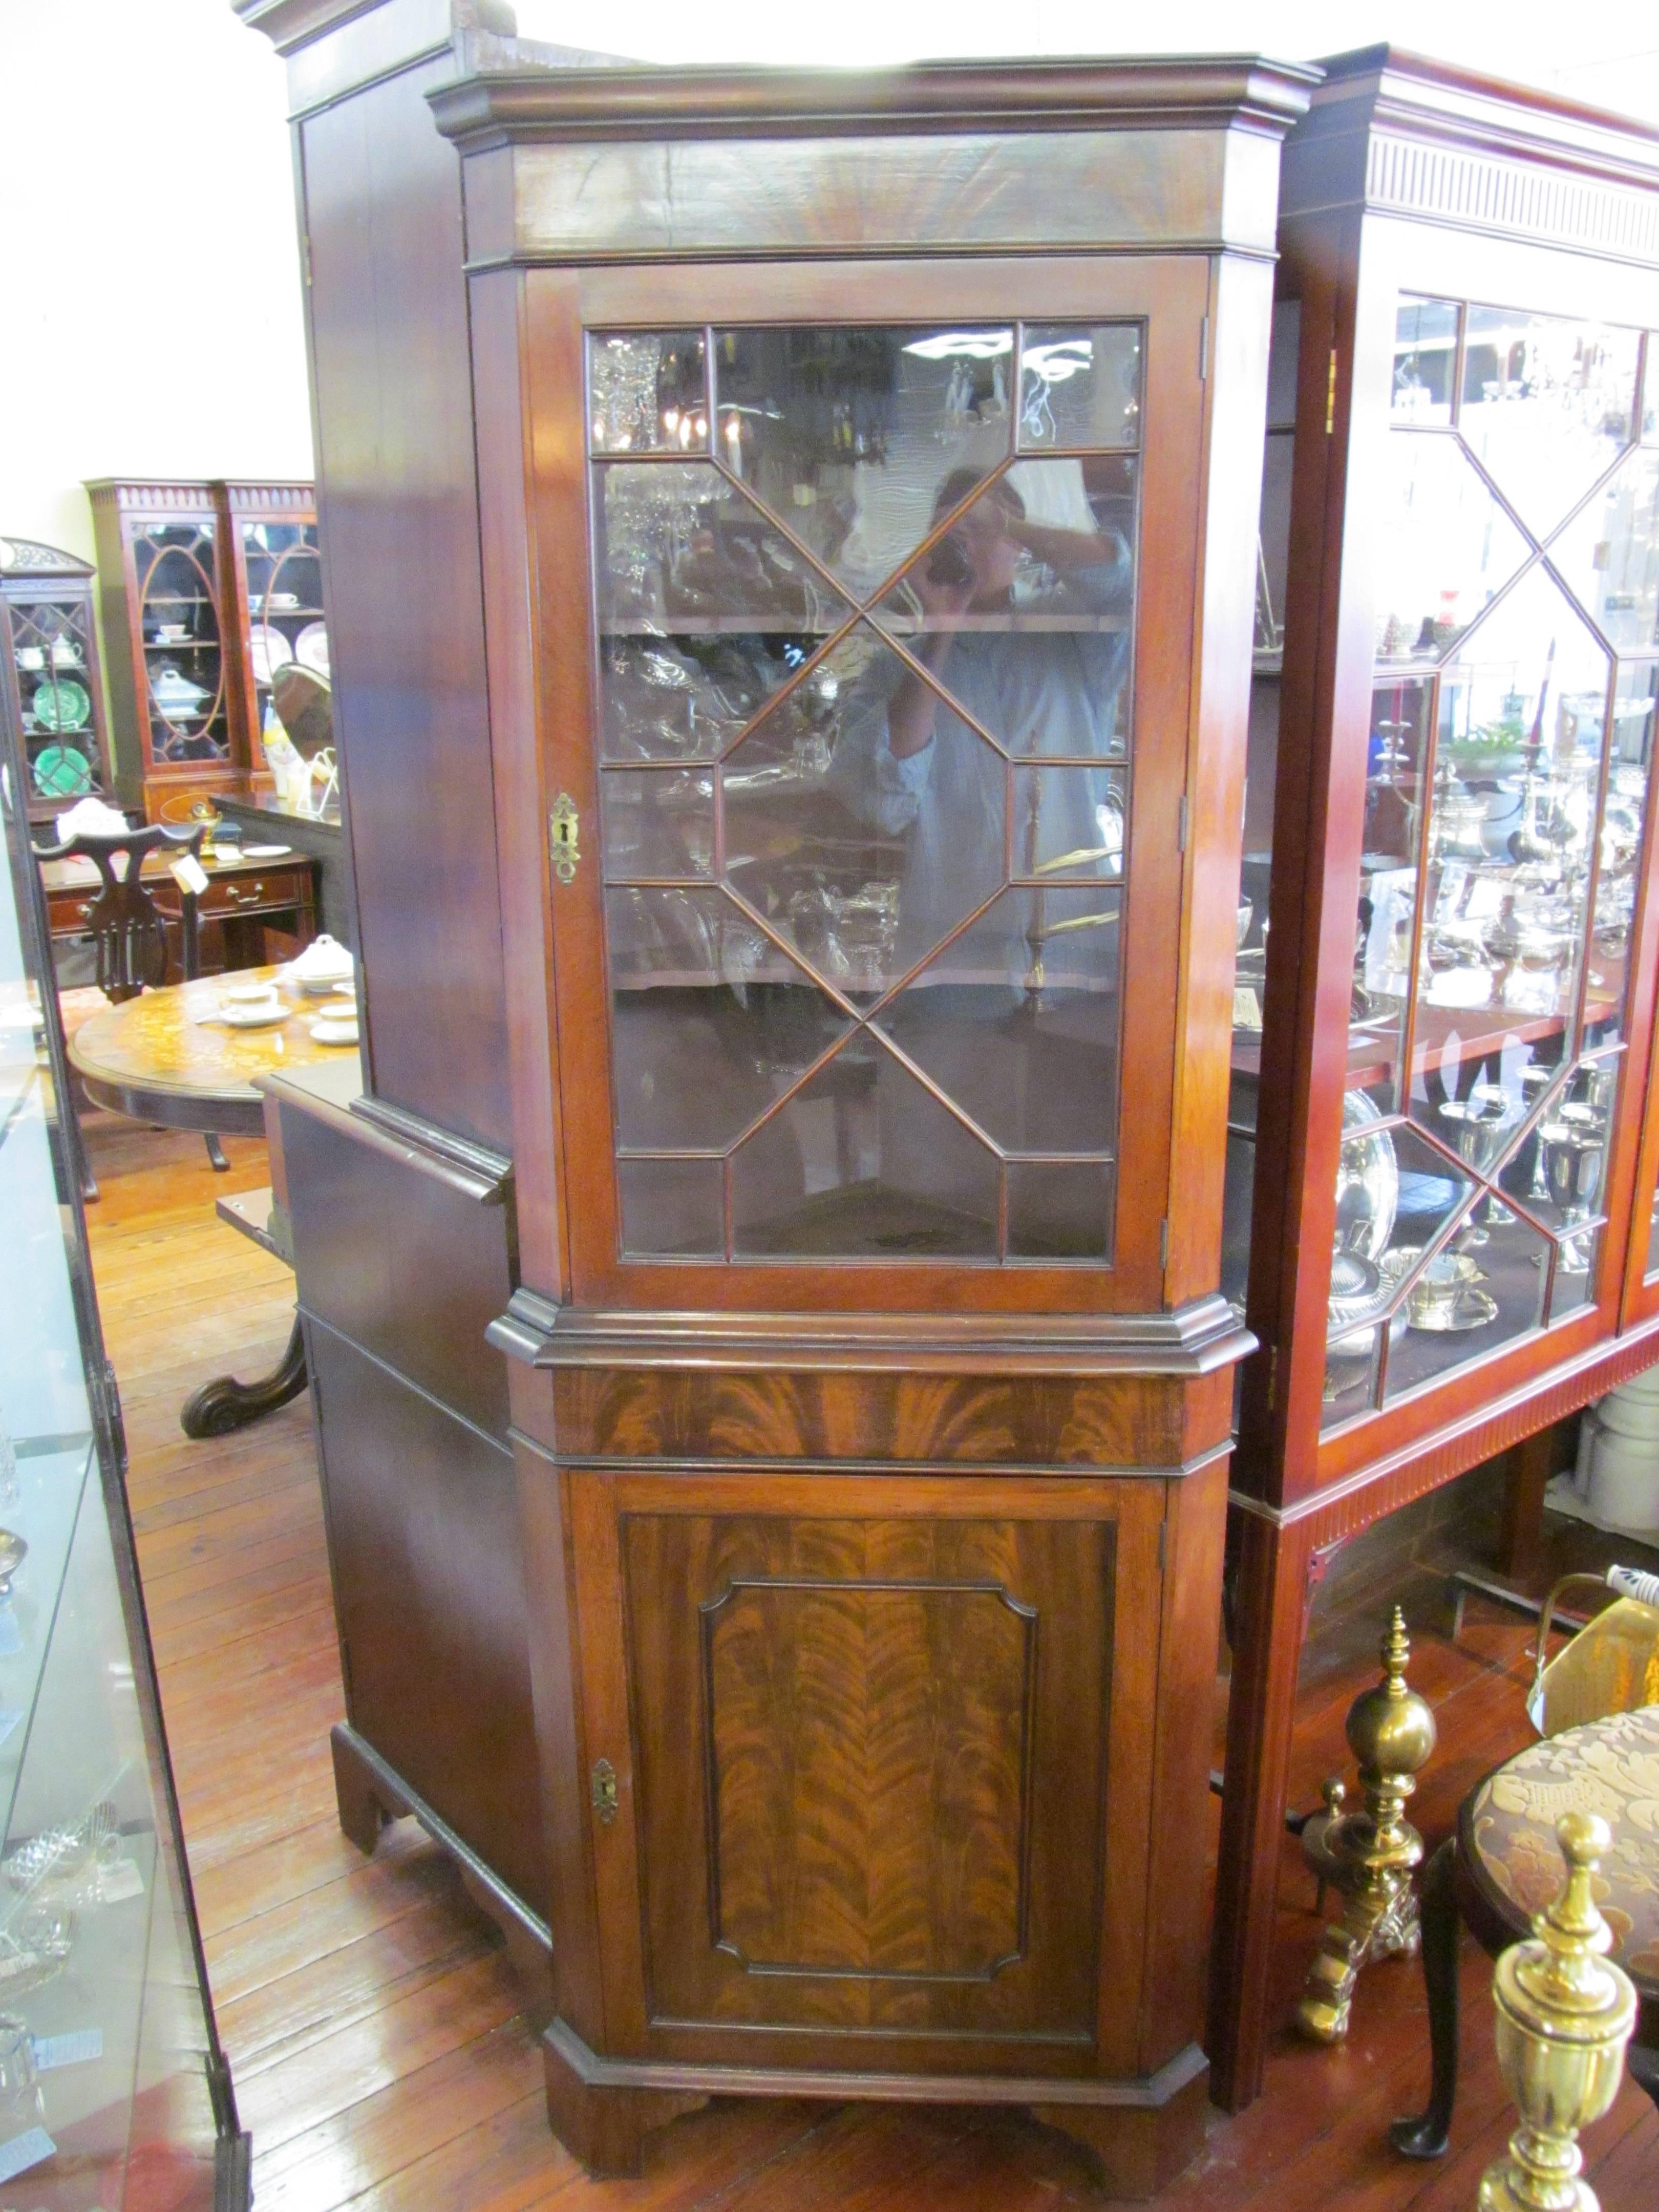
x=1503 y=1865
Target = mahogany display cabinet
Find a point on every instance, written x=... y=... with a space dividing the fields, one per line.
x=49 y=648
x=206 y=589
x=1442 y=1094
x=861 y=471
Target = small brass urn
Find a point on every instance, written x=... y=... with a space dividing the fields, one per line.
x=1564 y=2015
x=1368 y=1854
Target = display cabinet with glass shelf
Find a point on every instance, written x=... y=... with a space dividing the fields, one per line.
x=1460 y=976
x=160 y=580
x=51 y=649
x=890 y=907
x=868 y=588
x=192 y=655
x=113 y=2089
x=274 y=585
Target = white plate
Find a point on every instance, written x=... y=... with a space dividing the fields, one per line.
x=311 y=649
x=252 y=1018
x=335 y=1029
x=265 y=852
x=268 y=650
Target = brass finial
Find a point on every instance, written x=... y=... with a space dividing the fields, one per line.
x=1369 y=1855
x=1564 y=2015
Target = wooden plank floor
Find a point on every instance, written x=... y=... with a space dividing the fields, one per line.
x=372 y=2022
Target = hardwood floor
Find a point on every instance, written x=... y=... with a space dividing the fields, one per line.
x=371 y=2021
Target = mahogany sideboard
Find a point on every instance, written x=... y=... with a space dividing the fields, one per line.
x=788 y=547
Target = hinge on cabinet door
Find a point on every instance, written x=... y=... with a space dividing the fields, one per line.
x=1203 y=351
x=1330 y=396
x=604 y=1792
x=563 y=831
x=1181 y=824
x=1272 y=1375
x=345 y=1671
x=1163 y=1242
x=305 y=256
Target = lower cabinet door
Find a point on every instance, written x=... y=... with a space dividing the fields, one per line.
x=882 y=1750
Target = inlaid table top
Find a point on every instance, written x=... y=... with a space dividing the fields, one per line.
x=1609 y=1766
x=155 y=1059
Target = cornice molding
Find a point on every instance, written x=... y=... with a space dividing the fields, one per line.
x=1511 y=199
x=291 y=24
x=1197 y=1340
x=141 y=492
x=1396 y=134
x=605 y=101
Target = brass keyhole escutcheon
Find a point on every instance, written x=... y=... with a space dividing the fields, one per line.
x=563 y=833
x=604 y=1792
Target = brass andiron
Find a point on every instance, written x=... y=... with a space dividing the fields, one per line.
x=1368 y=1854
x=1564 y=2015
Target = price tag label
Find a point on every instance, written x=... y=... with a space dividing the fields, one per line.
x=189 y=874
x=118 y=1882
x=78 y=2048
x=24 y=2151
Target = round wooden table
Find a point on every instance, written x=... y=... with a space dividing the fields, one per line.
x=155 y=1058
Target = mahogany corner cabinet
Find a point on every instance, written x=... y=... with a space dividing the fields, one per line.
x=866 y=468
x=1447 y=1089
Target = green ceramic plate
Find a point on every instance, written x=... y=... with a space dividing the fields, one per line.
x=62 y=704
x=60 y=772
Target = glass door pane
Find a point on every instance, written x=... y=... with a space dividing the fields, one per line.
x=865 y=605
x=1506 y=798
x=184 y=659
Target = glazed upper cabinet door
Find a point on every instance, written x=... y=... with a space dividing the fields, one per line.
x=1506 y=821
x=869 y=1779
x=873 y=726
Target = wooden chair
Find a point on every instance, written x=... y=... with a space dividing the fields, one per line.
x=129 y=933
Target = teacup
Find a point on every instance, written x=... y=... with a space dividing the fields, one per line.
x=1435 y=1295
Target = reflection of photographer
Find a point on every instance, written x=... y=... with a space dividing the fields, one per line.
x=971 y=571
x=906 y=763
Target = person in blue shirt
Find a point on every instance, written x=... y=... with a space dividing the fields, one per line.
x=1025 y=629
x=906 y=763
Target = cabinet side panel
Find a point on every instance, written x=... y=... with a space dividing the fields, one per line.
x=1240 y=314
x=1194 y=1535
x=423 y=1542
x=397 y=502
x=403 y=1263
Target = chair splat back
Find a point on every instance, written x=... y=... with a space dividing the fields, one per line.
x=127 y=928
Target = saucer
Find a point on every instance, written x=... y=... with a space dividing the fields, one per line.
x=335 y=1029
x=252 y=1018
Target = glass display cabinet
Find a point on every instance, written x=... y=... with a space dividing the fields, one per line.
x=51 y=649
x=113 y=2089
x=1446 y=1101
x=160 y=567
x=208 y=589
x=868 y=586
x=275 y=587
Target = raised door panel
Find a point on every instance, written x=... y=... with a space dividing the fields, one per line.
x=869 y=1758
